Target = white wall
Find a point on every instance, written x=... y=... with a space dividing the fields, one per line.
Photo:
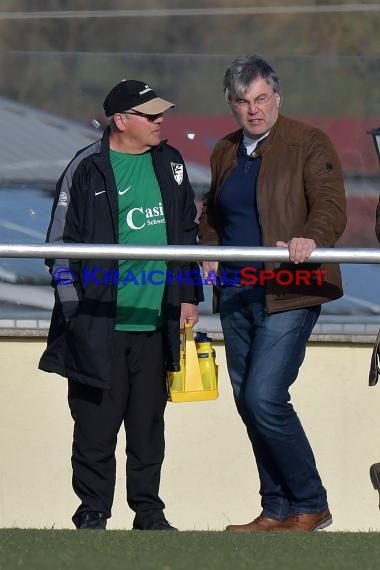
x=209 y=476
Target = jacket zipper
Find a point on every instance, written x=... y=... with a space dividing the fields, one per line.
x=260 y=222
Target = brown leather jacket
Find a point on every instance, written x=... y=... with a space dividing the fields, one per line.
x=377 y=227
x=300 y=193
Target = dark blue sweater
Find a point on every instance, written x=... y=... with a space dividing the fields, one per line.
x=237 y=205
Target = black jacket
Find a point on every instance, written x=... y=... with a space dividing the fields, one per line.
x=85 y=210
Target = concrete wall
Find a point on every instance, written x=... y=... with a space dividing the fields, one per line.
x=209 y=476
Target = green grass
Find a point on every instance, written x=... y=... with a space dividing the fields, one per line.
x=116 y=550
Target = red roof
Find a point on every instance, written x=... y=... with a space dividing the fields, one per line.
x=195 y=136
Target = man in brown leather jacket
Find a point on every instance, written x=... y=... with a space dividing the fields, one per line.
x=275 y=182
x=377 y=226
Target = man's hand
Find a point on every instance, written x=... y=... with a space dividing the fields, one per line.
x=210 y=267
x=299 y=248
x=189 y=313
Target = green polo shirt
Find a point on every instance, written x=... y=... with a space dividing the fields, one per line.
x=141 y=221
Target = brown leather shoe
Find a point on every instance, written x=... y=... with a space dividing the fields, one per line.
x=261 y=523
x=300 y=522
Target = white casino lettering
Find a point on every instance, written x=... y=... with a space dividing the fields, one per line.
x=147 y=216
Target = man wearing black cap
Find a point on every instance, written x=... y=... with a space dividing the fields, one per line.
x=115 y=324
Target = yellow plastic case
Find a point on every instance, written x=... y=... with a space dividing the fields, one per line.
x=198 y=378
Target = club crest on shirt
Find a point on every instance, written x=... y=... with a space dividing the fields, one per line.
x=63 y=199
x=177 y=172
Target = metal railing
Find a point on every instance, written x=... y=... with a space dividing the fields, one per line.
x=184 y=253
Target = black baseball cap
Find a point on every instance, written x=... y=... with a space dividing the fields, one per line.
x=137 y=95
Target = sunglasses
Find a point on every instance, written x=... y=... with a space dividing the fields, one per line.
x=150 y=118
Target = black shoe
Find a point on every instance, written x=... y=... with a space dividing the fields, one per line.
x=160 y=524
x=92 y=520
x=375 y=476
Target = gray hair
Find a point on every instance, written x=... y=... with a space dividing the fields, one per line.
x=245 y=69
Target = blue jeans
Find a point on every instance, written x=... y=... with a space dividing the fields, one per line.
x=264 y=353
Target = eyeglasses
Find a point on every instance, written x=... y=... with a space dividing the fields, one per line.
x=150 y=118
x=258 y=102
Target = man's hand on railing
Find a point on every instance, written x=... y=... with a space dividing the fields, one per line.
x=299 y=248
